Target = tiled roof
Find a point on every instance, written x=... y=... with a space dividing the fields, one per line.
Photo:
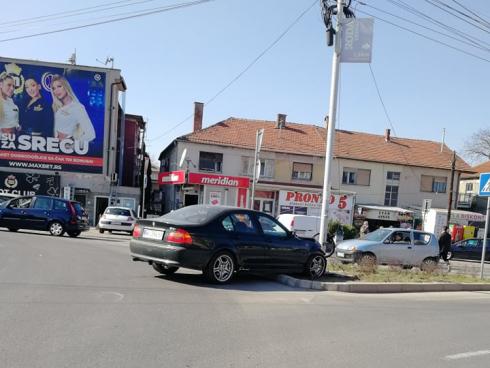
x=310 y=140
x=478 y=169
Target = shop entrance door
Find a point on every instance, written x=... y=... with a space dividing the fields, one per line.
x=101 y=203
x=190 y=199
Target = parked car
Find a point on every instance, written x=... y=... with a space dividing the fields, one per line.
x=118 y=219
x=6 y=196
x=470 y=249
x=222 y=240
x=302 y=225
x=393 y=246
x=56 y=215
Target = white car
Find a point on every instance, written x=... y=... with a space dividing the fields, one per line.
x=118 y=219
x=303 y=226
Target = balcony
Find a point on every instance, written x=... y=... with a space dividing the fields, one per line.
x=465 y=200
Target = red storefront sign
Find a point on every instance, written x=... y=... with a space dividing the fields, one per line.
x=171 y=177
x=219 y=180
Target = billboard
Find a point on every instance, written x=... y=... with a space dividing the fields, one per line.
x=51 y=117
x=29 y=184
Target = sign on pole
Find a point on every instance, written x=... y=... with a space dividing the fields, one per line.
x=484 y=185
x=485 y=192
x=357 y=40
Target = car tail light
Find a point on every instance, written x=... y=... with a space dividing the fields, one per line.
x=179 y=236
x=73 y=213
x=292 y=223
x=137 y=231
x=130 y=219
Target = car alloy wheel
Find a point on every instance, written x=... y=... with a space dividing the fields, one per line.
x=56 y=229
x=223 y=267
x=317 y=266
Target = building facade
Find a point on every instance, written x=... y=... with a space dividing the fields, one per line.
x=387 y=178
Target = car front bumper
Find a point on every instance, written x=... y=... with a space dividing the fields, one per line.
x=346 y=255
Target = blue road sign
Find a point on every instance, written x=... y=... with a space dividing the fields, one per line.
x=485 y=185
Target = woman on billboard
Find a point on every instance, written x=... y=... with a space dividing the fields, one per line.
x=70 y=117
x=36 y=116
x=9 y=112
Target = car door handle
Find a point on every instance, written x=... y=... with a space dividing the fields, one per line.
x=23 y=212
x=409 y=247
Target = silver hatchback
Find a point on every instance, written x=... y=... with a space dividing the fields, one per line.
x=392 y=246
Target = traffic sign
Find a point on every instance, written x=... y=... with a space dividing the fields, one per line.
x=484 y=185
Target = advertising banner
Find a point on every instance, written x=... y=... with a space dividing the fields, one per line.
x=51 y=118
x=357 y=40
x=219 y=180
x=310 y=203
x=29 y=184
x=215 y=198
x=171 y=177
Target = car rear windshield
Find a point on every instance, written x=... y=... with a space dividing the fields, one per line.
x=192 y=215
x=118 y=211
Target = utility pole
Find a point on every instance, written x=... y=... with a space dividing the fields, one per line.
x=256 y=167
x=451 y=188
x=332 y=117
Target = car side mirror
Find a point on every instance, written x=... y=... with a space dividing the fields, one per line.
x=387 y=241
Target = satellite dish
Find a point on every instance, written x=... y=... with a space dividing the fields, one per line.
x=182 y=158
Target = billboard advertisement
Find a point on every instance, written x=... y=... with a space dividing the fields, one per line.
x=29 y=184
x=51 y=117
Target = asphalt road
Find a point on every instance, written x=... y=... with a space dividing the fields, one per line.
x=82 y=303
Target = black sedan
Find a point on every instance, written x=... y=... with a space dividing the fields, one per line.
x=221 y=241
x=469 y=249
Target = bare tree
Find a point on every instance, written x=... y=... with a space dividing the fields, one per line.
x=477 y=147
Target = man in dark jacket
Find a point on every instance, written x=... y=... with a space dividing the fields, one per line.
x=445 y=244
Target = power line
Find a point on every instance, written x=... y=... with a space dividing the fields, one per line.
x=426 y=37
x=239 y=75
x=76 y=13
x=434 y=3
x=61 y=13
x=471 y=12
x=160 y=10
x=472 y=44
x=404 y=6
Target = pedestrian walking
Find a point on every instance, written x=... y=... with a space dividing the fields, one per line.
x=364 y=230
x=445 y=246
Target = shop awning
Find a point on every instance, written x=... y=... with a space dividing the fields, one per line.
x=385 y=208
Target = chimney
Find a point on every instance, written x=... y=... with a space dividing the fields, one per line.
x=281 y=121
x=198 y=111
x=387 y=135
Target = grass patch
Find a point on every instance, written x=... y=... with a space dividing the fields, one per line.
x=364 y=273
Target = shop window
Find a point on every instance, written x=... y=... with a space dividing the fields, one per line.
x=393 y=175
x=433 y=184
x=266 y=167
x=391 y=195
x=210 y=161
x=302 y=171
x=356 y=176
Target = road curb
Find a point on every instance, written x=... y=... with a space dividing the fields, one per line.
x=372 y=287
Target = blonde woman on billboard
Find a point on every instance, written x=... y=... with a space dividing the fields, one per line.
x=9 y=112
x=70 y=117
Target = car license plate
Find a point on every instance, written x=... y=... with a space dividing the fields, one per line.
x=340 y=254
x=153 y=234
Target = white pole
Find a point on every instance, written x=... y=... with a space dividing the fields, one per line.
x=487 y=220
x=331 y=124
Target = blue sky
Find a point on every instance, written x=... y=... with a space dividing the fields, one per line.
x=171 y=59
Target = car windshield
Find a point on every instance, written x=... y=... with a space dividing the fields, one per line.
x=195 y=215
x=378 y=235
x=118 y=211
